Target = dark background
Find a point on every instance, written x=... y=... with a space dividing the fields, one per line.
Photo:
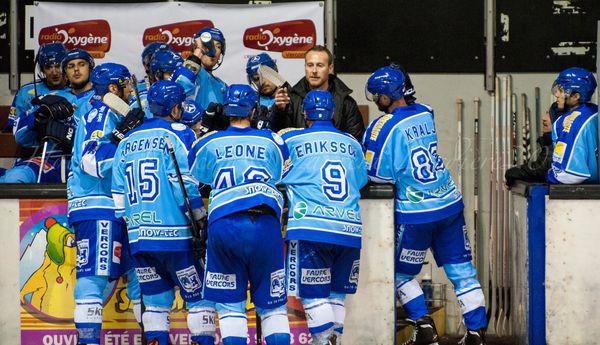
x=431 y=36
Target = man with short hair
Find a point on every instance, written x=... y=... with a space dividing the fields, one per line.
x=318 y=68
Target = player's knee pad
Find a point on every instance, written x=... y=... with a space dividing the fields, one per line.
x=161 y=300
x=233 y=322
x=156 y=319
x=201 y=319
x=337 y=301
x=469 y=293
x=275 y=325
x=90 y=287
x=319 y=316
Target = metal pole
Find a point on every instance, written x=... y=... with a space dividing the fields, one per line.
x=490 y=32
x=597 y=90
x=13 y=82
x=329 y=25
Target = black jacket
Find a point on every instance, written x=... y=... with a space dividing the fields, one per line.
x=346 y=116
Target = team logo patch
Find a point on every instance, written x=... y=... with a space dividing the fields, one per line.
x=369 y=158
x=354 y=272
x=300 y=210
x=92 y=115
x=559 y=151
x=414 y=195
x=411 y=256
x=117 y=250
x=278 y=283
x=568 y=122
x=220 y=281
x=83 y=252
x=466 y=238
x=146 y=274
x=189 y=279
x=315 y=276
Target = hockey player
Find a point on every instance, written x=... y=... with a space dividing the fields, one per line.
x=401 y=149
x=192 y=117
x=323 y=250
x=242 y=165
x=145 y=182
x=78 y=66
x=33 y=125
x=575 y=133
x=147 y=54
x=101 y=238
x=164 y=63
x=264 y=117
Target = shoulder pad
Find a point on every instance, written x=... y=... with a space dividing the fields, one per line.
x=178 y=126
x=377 y=125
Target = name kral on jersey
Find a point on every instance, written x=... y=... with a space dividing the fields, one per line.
x=241 y=151
x=418 y=131
x=221 y=281
x=315 y=276
x=323 y=146
x=145 y=144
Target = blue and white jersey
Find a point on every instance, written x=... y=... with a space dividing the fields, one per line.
x=21 y=103
x=210 y=89
x=267 y=101
x=146 y=188
x=324 y=186
x=187 y=79
x=242 y=165
x=401 y=149
x=83 y=104
x=575 y=140
x=88 y=186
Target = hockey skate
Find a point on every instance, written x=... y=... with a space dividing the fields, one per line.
x=424 y=332
x=472 y=337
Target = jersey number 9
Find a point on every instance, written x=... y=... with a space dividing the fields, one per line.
x=335 y=185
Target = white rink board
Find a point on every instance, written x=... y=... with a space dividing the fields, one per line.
x=370 y=313
x=10 y=330
x=572 y=272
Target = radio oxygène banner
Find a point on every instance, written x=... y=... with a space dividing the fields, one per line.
x=47 y=281
x=119 y=32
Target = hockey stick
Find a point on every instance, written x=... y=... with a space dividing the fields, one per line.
x=136 y=91
x=197 y=233
x=116 y=104
x=269 y=74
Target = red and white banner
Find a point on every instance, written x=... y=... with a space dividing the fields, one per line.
x=119 y=32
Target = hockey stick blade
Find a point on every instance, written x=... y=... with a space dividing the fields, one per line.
x=116 y=104
x=267 y=73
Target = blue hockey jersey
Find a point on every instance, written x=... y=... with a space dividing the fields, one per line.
x=209 y=89
x=146 y=189
x=324 y=186
x=401 y=148
x=575 y=140
x=242 y=165
x=89 y=184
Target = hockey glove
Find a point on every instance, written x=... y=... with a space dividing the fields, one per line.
x=133 y=119
x=52 y=107
x=60 y=133
x=199 y=241
x=262 y=119
x=213 y=117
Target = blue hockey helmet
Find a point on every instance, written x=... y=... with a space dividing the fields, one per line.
x=163 y=96
x=319 y=105
x=165 y=61
x=257 y=60
x=50 y=54
x=109 y=73
x=77 y=53
x=192 y=113
x=575 y=80
x=152 y=48
x=215 y=34
x=387 y=81
x=240 y=100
